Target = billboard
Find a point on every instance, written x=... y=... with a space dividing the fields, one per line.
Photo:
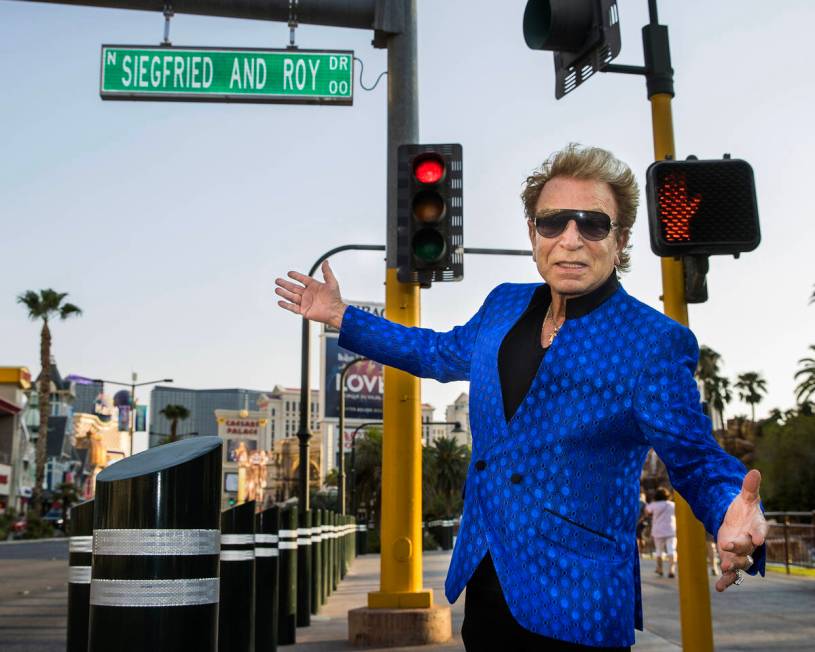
x=364 y=384
x=141 y=418
x=235 y=447
x=231 y=482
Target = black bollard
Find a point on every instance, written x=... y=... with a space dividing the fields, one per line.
x=362 y=537
x=267 y=524
x=236 y=616
x=325 y=551
x=316 y=559
x=343 y=545
x=80 y=527
x=335 y=544
x=154 y=578
x=287 y=613
x=304 y=569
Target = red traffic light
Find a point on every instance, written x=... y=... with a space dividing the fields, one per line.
x=428 y=168
x=702 y=207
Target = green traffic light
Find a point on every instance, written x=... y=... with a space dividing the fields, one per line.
x=428 y=245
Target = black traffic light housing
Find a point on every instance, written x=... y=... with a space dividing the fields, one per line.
x=583 y=34
x=429 y=210
x=704 y=208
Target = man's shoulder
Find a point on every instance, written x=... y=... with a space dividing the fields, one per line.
x=658 y=322
x=511 y=291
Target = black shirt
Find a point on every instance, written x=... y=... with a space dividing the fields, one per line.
x=521 y=353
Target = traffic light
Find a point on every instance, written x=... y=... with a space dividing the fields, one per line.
x=702 y=207
x=583 y=34
x=430 y=235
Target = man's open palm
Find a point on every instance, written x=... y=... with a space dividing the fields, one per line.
x=312 y=299
x=742 y=531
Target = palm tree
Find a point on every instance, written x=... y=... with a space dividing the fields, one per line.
x=752 y=388
x=715 y=387
x=46 y=305
x=368 y=471
x=174 y=413
x=806 y=388
x=449 y=463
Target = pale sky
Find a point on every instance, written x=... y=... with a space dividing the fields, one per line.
x=168 y=222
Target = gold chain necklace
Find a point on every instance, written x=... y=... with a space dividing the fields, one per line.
x=554 y=326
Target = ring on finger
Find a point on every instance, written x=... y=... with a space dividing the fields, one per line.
x=750 y=562
x=739 y=577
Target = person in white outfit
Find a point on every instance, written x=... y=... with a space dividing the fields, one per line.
x=663 y=529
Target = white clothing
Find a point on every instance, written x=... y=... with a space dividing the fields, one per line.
x=665 y=547
x=663 y=523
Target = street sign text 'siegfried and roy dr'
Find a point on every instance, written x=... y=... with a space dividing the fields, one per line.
x=141 y=72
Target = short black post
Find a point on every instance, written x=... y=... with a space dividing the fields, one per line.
x=287 y=615
x=304 y=569
x=362 y=537
x=267 y=524
x=344 y=545
x=447 y=534
x=335 y=544
x=236 y=617
x=80 y=527
x=316 y=559
x=325 y=538
x=154 y=577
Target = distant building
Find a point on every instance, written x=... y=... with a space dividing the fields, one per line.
x=62 y=461
x=457 y=412
x=16 y=481
x=281 y=403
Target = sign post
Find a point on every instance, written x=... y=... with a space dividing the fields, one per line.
x=193 y=74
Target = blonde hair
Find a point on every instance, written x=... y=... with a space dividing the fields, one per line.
x=594 y=164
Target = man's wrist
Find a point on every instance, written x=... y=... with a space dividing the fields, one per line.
x=336 y=321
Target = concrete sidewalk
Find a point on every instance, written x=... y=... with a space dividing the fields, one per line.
x=774 y=613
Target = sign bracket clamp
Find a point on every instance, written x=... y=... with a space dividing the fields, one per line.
x=292 y=24
x=168 y=14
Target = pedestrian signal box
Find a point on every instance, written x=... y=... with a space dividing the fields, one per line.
x=702 y=207
x=430 y=234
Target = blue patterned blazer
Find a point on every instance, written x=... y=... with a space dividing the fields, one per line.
x=554 y=494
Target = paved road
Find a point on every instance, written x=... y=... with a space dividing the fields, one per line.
x=771 y=614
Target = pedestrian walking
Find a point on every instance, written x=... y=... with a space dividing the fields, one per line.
x=572 y=381
x=663 y=530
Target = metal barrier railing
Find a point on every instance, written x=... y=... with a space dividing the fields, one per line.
x=791 y=539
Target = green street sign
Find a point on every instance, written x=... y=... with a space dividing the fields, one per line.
x=191 y=74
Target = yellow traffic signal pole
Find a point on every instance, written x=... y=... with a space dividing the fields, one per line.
x=694 y=593
x=401 y=524
x=401 y=518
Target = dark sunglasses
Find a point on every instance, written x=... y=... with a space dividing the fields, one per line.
x=593 y=225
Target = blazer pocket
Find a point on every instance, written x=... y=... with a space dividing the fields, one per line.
x=576 y=537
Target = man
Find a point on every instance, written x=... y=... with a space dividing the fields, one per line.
x=571 y=382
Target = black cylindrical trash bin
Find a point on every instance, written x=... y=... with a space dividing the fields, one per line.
x=287 y=613
x=80 y=528
x=316 y=559
x=304 y=568
x=267 y=524
x=154 y=578
x=236 y=617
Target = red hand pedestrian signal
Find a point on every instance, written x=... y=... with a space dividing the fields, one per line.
x=702 y=207
x=676 y=207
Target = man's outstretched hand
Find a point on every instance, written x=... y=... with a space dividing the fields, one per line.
x=742 y=530
x=312 y=299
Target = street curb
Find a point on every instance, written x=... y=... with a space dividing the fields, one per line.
x=18 y=541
